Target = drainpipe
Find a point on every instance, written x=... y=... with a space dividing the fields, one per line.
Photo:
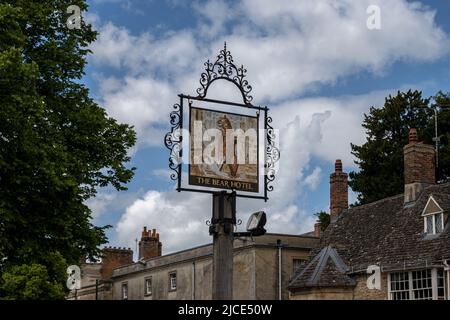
x=279 y=245
x=447 y=268
x=193 y=280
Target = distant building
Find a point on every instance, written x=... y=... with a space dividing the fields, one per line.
x=262 y=269
x=406 y=236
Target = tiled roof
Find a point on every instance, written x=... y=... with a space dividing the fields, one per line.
x=386 y=233
x=325 y=269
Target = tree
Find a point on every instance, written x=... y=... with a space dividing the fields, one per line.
x=57 y=146
x=323 y=218
x=443 y=99
x=380 y=159
x=22 y=282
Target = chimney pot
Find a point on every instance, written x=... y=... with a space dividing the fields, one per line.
x=150 y=246
x=338 y=166
x=317 y=229
x=419 y=166
x=338 y=190
x=413 y=136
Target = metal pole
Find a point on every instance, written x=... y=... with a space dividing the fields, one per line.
x=96 y=289
x=193 y=280
x=436 y=136
x=223 y=221
x=279 y=269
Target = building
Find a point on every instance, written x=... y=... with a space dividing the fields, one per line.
x=262 y=269
x=404 y=240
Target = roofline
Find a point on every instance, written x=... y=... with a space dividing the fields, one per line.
x=246 y=246
x=250 y=244
x=445 y=184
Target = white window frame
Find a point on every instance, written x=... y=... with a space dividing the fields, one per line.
x=173 y=276
x=294 y=260
x=434 y=215
x=124 y=292
x=148 y=292
x=434 y=283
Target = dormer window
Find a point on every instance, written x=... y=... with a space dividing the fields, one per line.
x=433 y=217
x=434 y=223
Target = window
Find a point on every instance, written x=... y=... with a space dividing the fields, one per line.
x=148 y=286
x=399 y=286
x=124 y=291
x=441 y=284
x=424 y=284
x=434 y=223
x=172 y=281
x=433 y=217
x=296 y=263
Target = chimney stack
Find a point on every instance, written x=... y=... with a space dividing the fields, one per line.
x=338 y=191
x=317 y=230
x=112 y=258
x=149 y=246
x=419 y=166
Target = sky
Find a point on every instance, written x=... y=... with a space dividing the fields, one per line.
x=315 y=64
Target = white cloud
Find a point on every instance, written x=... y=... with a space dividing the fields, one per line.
x=180 y=219
x=343 y=116
x=216 y=14
x=312 y=181
x=99 y=203
x=142 y=102
x=289 y=48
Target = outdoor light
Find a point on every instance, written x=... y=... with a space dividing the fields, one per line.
x=256 y=223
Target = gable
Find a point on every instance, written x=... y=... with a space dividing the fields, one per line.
x=431 y=207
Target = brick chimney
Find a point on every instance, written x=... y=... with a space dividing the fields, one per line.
x=112 y=258
x=338 y=191
x=419 y=163
x=149 y=246
x=317 y=230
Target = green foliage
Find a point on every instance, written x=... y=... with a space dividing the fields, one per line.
x=29 y=282
x=380 y=159
x=323 y=218
x=57 y=146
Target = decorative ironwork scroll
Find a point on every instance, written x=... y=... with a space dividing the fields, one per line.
x=173 y=141
x=224 y=68
x=272 y=155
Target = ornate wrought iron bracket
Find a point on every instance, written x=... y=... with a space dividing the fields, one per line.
x=173 y=141
x=223 y=68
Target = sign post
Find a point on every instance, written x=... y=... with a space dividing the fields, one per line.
x=224 y=153
x=224 y=220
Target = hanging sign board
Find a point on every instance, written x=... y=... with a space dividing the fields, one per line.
x=223 y=138
x=223 y=150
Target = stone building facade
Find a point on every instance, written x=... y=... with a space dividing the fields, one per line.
x=262 y=269
x=405 y=239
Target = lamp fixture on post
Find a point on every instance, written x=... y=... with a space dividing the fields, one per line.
x=255 y=225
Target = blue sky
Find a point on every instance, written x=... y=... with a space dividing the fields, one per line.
x=314 y=63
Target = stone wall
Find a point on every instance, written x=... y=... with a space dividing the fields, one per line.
x=323 y=294
x=361 y=292
x=255 y=274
